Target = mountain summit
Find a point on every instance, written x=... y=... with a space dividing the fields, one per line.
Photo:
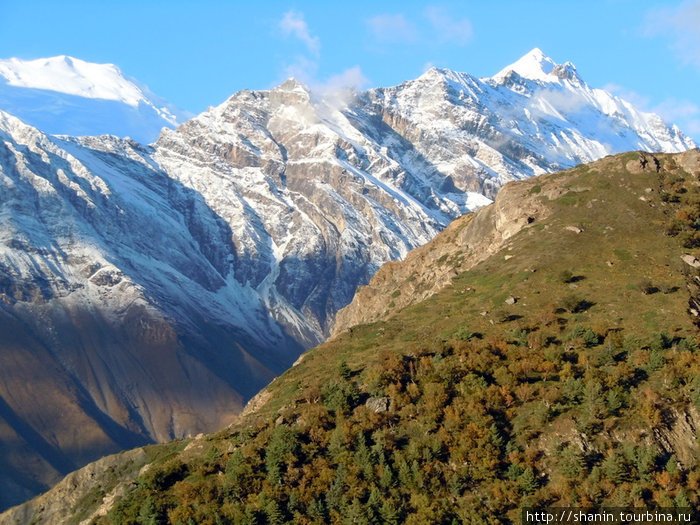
x=68 y=96
x=535 y=65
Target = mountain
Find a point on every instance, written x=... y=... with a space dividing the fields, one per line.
x=148 y=292
x=68 y=96
x=122 y=323
x=322 y=190
x=558 y=370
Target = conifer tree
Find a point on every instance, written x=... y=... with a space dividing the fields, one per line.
x=527 y=481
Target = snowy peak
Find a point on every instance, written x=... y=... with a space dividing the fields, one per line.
x=72 y=76
x=535 y=65
x=63 y=95
x=433 y=73
x=292 y=84
x=442 y=74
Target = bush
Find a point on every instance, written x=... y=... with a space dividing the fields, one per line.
x=340 y=396
x=646 y=287
x=576 y=304
x=166 y=476
x=463 y=334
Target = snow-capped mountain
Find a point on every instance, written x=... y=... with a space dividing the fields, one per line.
x=532 y=117
x=147 y=292
x=318 y=194
x=68 y=96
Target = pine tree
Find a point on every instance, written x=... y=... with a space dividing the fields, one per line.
x=672 y=465
x=572 y=462
x=616 y=468
x=273 y=514
x=387 y=480
x=613 y=401
x=148 y=514
x=455 y=486
x=527 y=481
x=681 y=500
x=495 y=436
x=389 y=514
x=374 y=504
x=334 y=495
x=282 y=442
x=250 y=516
x=405 y=478
x=293 y=503
x=317 y=511
x=344 y=370
x=363 y=457
x=356 y=514
x=514 y=471
x=644 y=461
x=417 y=474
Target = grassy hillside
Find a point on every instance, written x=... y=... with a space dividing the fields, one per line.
x=563 y=370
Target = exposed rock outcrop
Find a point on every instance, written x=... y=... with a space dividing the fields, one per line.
x=67 y=498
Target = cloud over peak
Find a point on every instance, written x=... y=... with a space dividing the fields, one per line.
x=293 y=24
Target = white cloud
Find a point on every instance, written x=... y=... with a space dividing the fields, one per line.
x=672 y=109
x=339 y=90
x=293 y=23
x=449 y=30
x=692 y=127
x=435 y=27
x=351 y=78
x=395 y=29
x=681 y=112
x=682 y=25
x=303 y=69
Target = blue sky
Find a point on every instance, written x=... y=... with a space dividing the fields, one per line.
x=196 y=54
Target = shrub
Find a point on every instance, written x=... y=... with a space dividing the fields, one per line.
x=646 y=287
x=576 y=304
x=566 y=276
x=463 y=334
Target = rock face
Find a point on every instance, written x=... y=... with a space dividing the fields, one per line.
x=319 y=192
x=147 y=292
x=313 y=205
x=120 y=320
x=64 y=500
